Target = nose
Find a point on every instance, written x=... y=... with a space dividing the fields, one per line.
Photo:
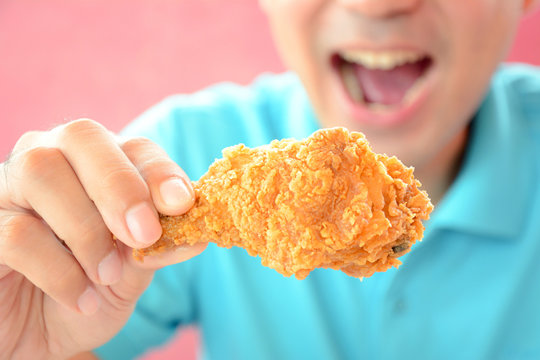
x=381 y=8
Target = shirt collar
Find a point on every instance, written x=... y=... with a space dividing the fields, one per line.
x=489 y=195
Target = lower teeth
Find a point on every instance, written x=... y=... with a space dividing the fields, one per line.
x=351 y=83
x=413 y=91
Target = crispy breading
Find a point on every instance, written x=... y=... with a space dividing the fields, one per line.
x=327 y=201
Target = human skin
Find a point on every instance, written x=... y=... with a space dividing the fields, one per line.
x=78 y=181
x=466 y=41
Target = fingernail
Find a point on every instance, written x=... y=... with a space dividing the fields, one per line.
x=143 y=224
x=110 y=268
x=89 y=301
x=175 y=194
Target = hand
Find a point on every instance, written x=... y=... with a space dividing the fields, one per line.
x=65 y=285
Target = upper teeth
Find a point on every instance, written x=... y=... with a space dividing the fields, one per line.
x=381 y=60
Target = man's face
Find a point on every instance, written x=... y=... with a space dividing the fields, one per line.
x=407 y=73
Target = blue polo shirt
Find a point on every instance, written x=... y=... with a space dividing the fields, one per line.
x=469 y=290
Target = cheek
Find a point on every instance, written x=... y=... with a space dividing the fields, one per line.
x=479 y=38
x=484 y=29
x=293 y=28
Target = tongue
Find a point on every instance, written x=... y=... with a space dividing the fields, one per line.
x=388 y=87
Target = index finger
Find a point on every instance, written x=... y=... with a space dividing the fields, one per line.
x=169 y=185
x=111 y=181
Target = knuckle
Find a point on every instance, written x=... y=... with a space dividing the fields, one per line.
x=81 y=127
x=26 y=140
x=40 y=161
x=119 y=176
x=144 y=151
x=66 y=275
x=92 y=229
x=14 y=232
x=136 y=143
x=66 y=280
x=158 y=169
x=149 y=158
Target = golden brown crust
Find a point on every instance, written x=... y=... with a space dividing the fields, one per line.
x=326 y=201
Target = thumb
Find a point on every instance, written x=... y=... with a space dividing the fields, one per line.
x=173 y=256
x=137 y=274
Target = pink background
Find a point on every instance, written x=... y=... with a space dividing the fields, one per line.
x=110 y=60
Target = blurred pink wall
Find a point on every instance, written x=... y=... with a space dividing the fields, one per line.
x=110 y=60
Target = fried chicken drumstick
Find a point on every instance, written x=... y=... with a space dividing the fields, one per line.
x=327 y=201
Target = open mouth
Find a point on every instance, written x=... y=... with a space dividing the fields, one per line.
x=383 y=79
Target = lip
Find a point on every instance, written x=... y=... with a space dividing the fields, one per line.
x=387 y=117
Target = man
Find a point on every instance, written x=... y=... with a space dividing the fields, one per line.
x=418 y=77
